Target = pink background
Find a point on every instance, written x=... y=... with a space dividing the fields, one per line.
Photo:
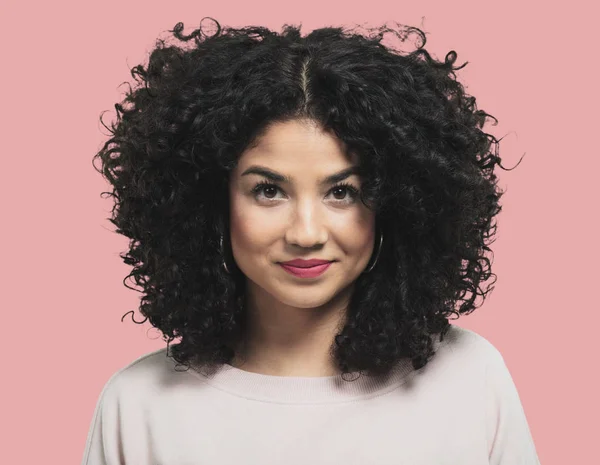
x=532 y=67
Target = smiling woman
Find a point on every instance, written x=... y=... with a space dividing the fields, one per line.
x=306 y=214
x=315 y=217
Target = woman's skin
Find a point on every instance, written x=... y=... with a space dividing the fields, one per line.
x=292 y=321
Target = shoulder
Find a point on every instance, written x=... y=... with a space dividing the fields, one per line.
x=466 y=347
x=141 y=378
x=459 y=338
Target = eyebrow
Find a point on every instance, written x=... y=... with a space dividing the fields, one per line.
x=277 y=177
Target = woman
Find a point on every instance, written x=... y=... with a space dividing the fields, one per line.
x=304 y=214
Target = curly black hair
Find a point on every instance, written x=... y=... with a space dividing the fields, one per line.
x=427 y=164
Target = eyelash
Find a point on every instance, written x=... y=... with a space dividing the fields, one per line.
x=351 y=189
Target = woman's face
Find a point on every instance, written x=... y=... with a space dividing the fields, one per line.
x=303 y=217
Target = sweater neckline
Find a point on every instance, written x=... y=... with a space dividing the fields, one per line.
x=302 y=389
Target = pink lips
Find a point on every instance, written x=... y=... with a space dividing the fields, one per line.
x=310 y=272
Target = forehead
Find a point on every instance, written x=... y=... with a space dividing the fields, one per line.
x=300 y=144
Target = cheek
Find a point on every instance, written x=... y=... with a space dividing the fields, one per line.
x=239 y=224
x=246 y=234
x=248 y=231
x=356 y=234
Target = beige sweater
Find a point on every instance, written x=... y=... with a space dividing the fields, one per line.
x=462 y=408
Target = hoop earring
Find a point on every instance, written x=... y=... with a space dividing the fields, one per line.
x=223 y=254
x=376 y=255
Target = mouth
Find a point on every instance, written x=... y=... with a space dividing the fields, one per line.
x=304 y=266
x=306 y=263
x=306 y=272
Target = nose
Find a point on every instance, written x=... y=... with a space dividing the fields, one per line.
x=306 y=227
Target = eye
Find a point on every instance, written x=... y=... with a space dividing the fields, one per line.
x=264 y=186
x=270 y=189
x=345 y=187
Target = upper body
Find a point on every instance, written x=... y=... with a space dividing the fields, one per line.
x=461 y=408
x=299 y=206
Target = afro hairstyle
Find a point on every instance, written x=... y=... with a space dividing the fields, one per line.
x=427 y=164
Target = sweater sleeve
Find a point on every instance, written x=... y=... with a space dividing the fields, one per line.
x=509 y=437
